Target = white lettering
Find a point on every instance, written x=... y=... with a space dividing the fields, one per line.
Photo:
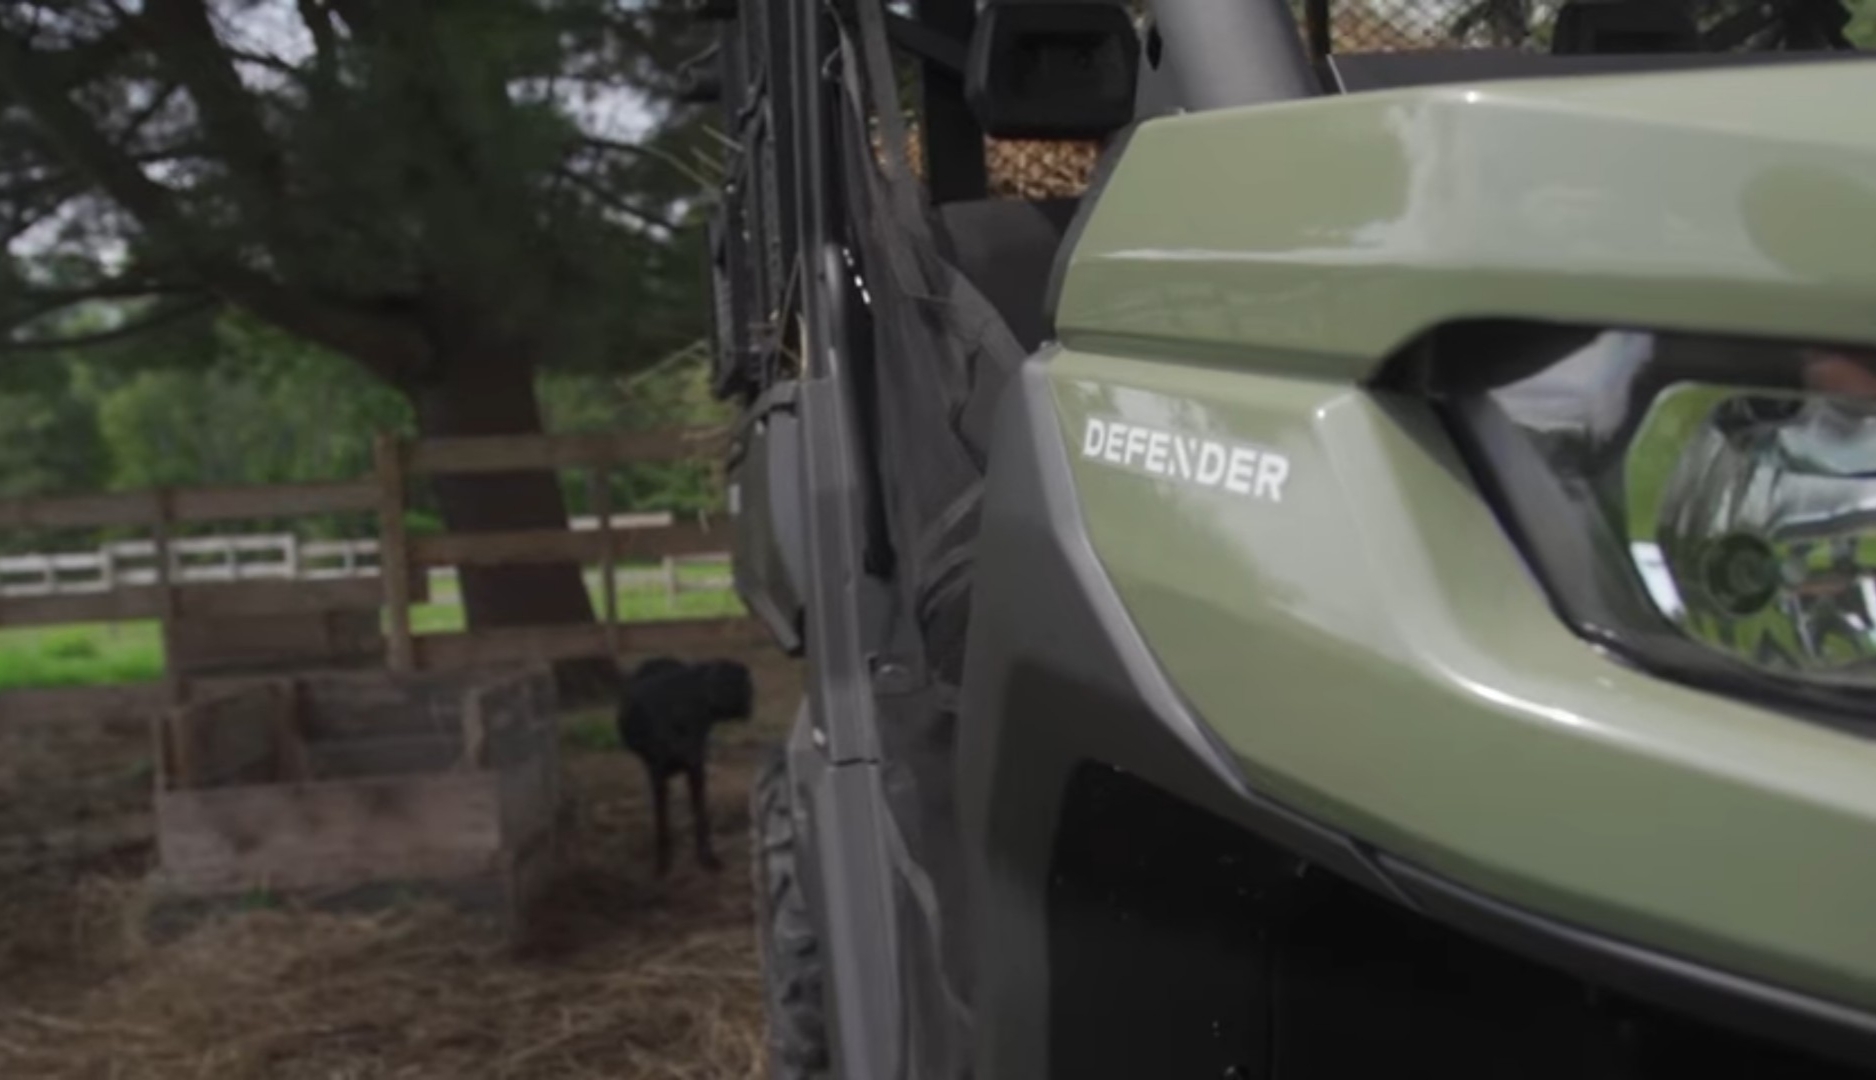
x=1156 y=453
x=1241 y=469
x=1116 y=442
x=1238 y=475
x=1136 y=444
x=1211 y=464
x=1272 y=470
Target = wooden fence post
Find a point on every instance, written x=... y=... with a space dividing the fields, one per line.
x=166 y=593
x=599 y=496
x=394 y=551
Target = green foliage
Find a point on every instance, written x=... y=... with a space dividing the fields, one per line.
x=1862 y=27
x=245 y=403
x=49 y=442
x=264 y=410
x=676 y=394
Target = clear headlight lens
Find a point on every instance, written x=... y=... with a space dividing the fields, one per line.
x=1763 y=510
x=1698 y=503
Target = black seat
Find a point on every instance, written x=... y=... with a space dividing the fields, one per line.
x=1006 y=247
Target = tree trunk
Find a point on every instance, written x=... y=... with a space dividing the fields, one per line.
x=485 y=394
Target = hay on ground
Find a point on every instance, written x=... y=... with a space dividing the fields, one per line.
x=623 y=975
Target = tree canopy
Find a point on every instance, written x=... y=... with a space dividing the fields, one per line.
x=412 y=185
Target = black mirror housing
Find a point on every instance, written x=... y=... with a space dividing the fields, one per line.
x=1052 y=69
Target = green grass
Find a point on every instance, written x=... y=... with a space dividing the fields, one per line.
x=645 y=603
x=91 y=654
x=105 y=654
x=592 y=730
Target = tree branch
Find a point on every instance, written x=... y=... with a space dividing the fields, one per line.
x=613 y=202
x=318 y=20
x=42 y=302
x=73 y=134
x=595 y=142
x=359 y=17
x=391 y=348
x=266 y=60
x=160 y=318
x=187 y=45
x=144 y=115
x=84 y=61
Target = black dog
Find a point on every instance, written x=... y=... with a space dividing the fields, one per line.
x=665 y=715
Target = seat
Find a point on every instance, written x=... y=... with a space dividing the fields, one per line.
x=1006 y=247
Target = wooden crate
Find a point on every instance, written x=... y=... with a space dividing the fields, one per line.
x=278 y=642
x=346 y=785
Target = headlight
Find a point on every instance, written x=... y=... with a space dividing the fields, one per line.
x=1705 y=507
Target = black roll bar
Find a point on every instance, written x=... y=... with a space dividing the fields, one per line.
x=1235 y=52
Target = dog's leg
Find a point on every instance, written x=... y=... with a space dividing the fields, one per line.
x=700 y=817
x=661 y=818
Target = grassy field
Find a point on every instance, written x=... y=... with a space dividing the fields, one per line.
x=83 y=654
x=444 y=613
x=104 y=654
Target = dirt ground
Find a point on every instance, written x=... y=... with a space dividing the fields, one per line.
x=624 y=975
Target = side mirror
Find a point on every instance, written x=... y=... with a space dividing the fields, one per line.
x=1052 y=69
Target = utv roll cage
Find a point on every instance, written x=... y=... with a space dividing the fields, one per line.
x=866 y=317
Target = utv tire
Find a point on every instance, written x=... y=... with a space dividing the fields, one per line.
x=792 y=971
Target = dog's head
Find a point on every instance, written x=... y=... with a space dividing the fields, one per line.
x=730 y=690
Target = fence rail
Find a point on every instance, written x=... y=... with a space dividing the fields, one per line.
x=197 y=559
x=172 y=578
x=187 y=505
x=285 y=557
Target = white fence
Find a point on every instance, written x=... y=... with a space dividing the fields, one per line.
x=279 y=557
x=196 y=559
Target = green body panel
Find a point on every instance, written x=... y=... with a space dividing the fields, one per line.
x=1363 y=635
x=1327 y=233
x=1375 y=653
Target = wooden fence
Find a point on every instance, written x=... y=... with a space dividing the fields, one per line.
x=170 y=580
x=405 y=559
x=284 y=556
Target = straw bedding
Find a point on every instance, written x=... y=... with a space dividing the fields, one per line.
x=623 y=976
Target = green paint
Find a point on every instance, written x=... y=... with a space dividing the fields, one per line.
x=1376 y=653
x=1322 y=235
x=1372 y=647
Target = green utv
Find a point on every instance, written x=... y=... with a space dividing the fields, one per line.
x=1381 y=584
